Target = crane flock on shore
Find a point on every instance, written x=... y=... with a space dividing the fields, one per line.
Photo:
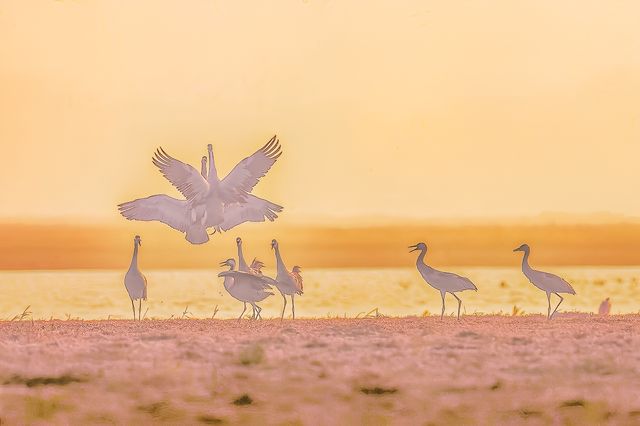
x=224 y=204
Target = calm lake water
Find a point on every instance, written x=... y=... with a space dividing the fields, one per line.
x=327 y=292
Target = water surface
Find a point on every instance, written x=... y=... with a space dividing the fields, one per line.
x=327 y=292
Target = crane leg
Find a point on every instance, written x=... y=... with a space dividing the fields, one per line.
x=253 y=311
x=285 y=305
x=442 y=314
x=549 y=305
x=459 y=304
x=134 y=309
x=256 y=311
x=243 y=310
x=139 y=309
x=561 y=299
x=293 y=307
x=259 y=310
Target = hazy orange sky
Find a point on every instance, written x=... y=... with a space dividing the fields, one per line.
x=384 y=108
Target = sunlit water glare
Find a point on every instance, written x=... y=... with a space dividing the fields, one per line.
x=327 y=292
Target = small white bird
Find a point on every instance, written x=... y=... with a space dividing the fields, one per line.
x=445 y=282
x=545 y=281
x=295 y=272
x=134 y=281
x=605 y=307
x=256 y=266
x=288 y=283
x=246 y=287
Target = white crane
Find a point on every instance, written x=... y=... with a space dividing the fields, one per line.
x=286 y=282
x=545 y=281
x=246 y=287
x=209 y=201
x=134 y=281
x=444 y=282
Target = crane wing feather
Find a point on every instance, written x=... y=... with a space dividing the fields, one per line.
x=246 y=174
x=551 y=282
x=183 y=176
x=450 y=281
x=163 y=208
x=256 y=282
x=254 y=209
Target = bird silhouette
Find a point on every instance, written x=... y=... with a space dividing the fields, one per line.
x=134 y=281
x=445 y=282
x=549 y=283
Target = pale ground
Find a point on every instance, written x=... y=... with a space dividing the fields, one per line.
x=576 y=369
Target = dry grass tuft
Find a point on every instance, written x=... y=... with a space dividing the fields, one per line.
x=243 y=400
x=43 y=381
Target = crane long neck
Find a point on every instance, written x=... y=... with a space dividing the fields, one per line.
x=212 y=176
x=525 y=261
x=203 y=170
x=243 y=265
x=134 y=258
x=281 y=266
x=420 y=259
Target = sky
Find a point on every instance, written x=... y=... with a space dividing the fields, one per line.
x=384 y=109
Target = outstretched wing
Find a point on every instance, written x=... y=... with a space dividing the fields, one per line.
x=163 y=208
x=246 y=173
x=256 y=282
x=255 y=209
x=183 y=176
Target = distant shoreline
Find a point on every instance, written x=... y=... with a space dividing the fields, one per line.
x=59 y=247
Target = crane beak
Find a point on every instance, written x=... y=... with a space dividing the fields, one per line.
x=415 y=247
x=224 y=263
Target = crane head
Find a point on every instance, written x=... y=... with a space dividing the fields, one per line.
x=419 y=246
x=137 y=240
x=229 y=262
x=238 y=241
x=209 y=147
x=523 y=247
x=296 y=269
x=274 y=244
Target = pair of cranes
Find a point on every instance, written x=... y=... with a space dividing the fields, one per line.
x=447 y=282
x=209 y=202
x=247 y=284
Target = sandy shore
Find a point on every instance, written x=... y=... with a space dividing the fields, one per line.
x=576 y=369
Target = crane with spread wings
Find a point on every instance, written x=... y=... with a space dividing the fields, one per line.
x=208 y=201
